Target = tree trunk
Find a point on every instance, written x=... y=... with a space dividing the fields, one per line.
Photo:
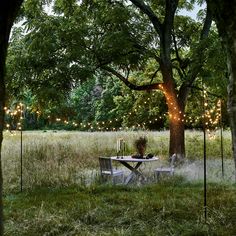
x=224 y=13
x=176 y=126
x=2 y=104
x=3 y=48
x=231 y=54
x=176 y=106
x=8 y=12
x=1 y=183
x=177 y=144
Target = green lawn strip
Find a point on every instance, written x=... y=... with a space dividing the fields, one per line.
x=167 y=208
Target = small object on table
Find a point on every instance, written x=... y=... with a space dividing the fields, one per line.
x=137 y=156
x=149 y=156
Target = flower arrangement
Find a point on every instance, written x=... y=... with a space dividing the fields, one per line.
x=140 y=145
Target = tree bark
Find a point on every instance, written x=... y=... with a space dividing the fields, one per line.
x=2 y=103
x=176 y=109
x=8 y=12
x=231 y=63
x=177 y=136
x=224 y=13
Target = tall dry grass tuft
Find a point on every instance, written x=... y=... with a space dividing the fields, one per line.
x=64 y=158
x=194 y=145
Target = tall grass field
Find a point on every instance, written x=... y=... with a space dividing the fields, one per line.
x=62 y=193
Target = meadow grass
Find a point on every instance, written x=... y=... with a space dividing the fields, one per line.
x=65 y=158
x=173 y=207
x=62 y=194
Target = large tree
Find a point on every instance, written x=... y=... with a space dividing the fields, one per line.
x=120 y=38
x=224 y=13
x=8 y=12
x=172 y=63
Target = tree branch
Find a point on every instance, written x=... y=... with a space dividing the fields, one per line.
x=171 y=6
x=186 y=87
x=207 y=24
x=151 y=15
x=182 y=63
x=176 y=49
x=209 y=93
x=154 y=74
x=129 y=84
x=181 y=72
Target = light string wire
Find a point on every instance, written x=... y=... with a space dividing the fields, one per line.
x=15 y=118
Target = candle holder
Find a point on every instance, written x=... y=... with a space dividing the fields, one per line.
x=120 y=148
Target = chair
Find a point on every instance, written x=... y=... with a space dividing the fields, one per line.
x=167 y=170
x=107 y=170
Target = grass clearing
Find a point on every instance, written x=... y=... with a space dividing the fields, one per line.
x=64 y=158
x=61 y=194
x=172 y=207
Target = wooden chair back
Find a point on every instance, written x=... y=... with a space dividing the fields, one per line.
x=105 y=164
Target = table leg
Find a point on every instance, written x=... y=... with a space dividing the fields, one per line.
x=134 y=171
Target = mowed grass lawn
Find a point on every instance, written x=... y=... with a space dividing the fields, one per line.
x=58 y=200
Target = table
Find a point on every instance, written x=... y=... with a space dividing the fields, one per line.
x=125 y=160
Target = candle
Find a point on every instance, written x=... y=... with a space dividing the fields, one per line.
x=121 y=144
x=117 y=146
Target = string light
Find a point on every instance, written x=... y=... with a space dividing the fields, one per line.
x=212 y=114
